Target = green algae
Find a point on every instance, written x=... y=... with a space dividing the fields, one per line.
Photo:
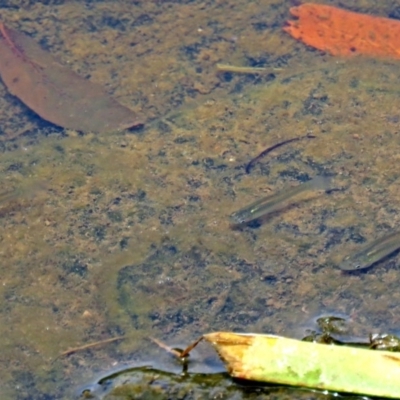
x=66 y=280
x=147 y=383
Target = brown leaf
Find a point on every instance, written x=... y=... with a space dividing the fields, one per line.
x=55 y=92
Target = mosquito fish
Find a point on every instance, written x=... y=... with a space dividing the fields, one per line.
x=372 y=253
x=275 y=202
x=14 y=194
x=9 y=195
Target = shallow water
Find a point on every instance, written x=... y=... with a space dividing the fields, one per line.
x=130 y=234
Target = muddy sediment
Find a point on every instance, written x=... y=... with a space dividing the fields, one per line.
x=130 y=232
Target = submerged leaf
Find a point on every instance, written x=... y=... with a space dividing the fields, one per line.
x=344 y=33
x=55 y=92
x=275 y=359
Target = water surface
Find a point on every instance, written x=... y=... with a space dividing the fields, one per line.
x=131 y=233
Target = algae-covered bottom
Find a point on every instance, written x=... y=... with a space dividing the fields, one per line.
x=149 y=383
x=128 y=234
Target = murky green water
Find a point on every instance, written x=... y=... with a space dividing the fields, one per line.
x=128 y=234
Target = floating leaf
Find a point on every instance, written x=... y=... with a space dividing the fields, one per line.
x=279 y=360
x=344 y=33
x=55 y=92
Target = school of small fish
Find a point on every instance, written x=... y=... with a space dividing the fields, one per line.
x=345 y=33
x=367 y=256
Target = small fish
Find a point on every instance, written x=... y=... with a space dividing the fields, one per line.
x=277 y=201
x=26 y=191
x=372 y=253
x=10 y=195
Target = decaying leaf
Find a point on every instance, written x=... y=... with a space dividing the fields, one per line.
x=344 y=33
x=279 y=360
x=55 y=92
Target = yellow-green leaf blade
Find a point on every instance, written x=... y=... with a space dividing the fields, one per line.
x=276 y=359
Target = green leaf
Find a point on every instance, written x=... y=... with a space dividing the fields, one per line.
x=275 y=359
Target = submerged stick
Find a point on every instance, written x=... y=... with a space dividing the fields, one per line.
x=181 y=354
x=90 y=345
x=188 y=349
x=240 y=70
x=167 y=348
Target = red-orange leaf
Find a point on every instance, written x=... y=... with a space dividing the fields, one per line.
x=55 y=92
x=343 y=33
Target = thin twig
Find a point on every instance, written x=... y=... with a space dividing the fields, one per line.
x=182 y=354
x=90 y=345
x=240 y=70
x=191 y=347
x=168 y=349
